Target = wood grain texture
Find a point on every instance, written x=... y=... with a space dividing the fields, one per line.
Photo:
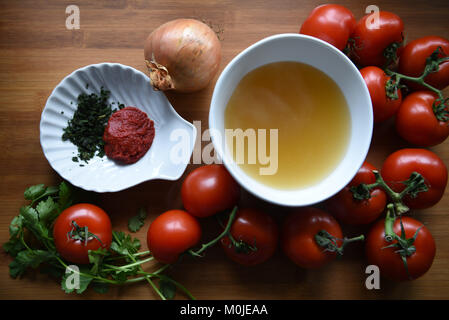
x=36 y=52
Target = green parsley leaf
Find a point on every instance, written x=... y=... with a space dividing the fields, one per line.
x=31 y=221
x=122 y=275
x=50 y=191
x=28 y=259
x=124 y=244
x=38 y=192
x=29 y=214
x=13 y=246
x=34 y=192
x=96 y=258
x=136 y=222
x=46 y=209
x=53 y=270
x=16 y=226
x=167 y=288
x=65 y=196
x=69 y=281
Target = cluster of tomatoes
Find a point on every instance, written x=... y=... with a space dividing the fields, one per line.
x=210 y=190
x=253 y=235
x=312 y=237
x=392 y=69
x=405 y=82
x=409 y=179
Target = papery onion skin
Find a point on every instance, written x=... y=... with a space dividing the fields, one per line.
x=183 y=55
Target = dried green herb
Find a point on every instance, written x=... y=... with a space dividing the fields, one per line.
x=85 y=129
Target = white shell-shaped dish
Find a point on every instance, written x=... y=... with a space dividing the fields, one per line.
x=132 y=88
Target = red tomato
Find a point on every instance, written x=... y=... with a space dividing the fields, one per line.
x=416 y=121
x=255 y=229
x=351 y=211
x=208 y=190
x=172 y=233
x=330 y=22
x=413 y=60
x=298 y=237
x=84 y=215
x=383 y=106
x=399 y=165
x=390 y=262
x=371 y=40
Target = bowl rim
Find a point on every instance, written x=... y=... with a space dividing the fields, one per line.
x=229 y=163
x=129 y=185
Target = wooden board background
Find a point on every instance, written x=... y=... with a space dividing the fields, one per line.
x=37 y=51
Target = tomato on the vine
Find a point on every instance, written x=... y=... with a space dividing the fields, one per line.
x=401 y=164
x=373 y=36
x=80 y=228
x=385 y=104
x=332 y=23
x=172 y=233
x=353 y=211
x=389 y=259
x=417 y=120
x=414 y=57
x=299 y=232
x=208 y=190
x=254 y=237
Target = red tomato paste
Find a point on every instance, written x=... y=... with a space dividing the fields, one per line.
x=128 y=135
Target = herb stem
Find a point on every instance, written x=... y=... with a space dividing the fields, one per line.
x=162 y=269
x=137 y=254
x=23 y=242
x=138 y=263
x=135 y=263
x=100 y=279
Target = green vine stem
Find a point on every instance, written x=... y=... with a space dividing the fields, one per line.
x=330 y=243
x=226 y=232
x=239 y=245
x=432 y=65
x=389 y=223
x=414 y=185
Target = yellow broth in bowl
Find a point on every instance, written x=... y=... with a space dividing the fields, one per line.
x=309 y=120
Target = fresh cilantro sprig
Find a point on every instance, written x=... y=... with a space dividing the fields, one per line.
x=120 y=264
x=36 y=219
x=32 y=246
x=136 y=222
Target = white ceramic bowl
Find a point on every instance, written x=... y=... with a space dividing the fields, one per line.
x=325 y=57
x=132 y=88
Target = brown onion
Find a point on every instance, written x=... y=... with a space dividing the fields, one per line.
x=183 y=55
